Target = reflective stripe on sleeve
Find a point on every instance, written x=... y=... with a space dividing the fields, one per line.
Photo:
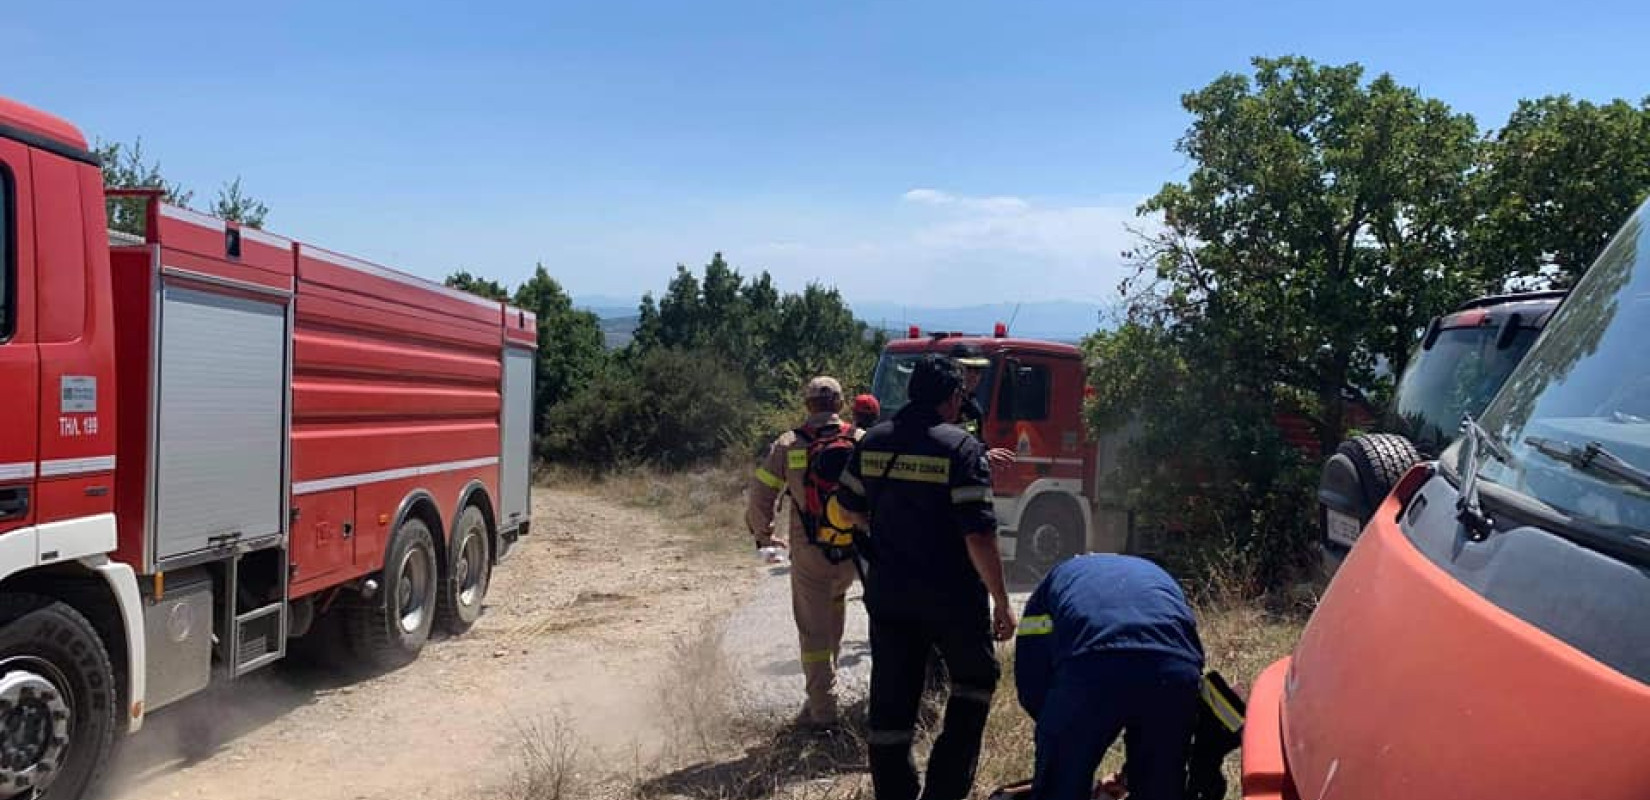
x=769 y=479
x=963 y=495
x=1228 y=715
x=1036 y=625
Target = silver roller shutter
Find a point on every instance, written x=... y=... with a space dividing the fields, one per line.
x=517 y=452
x=221 y=431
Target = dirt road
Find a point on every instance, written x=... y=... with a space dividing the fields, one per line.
x=584 y=621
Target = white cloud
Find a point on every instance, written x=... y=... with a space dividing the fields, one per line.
x=961 y=250
x=989 y=205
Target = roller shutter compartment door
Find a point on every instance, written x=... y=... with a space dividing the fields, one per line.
x=221 y=433
x=517 y=452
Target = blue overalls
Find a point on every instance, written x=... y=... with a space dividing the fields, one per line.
x=1108 y=645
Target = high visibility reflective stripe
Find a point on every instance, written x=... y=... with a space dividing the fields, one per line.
x=797 y=459
x=851 y=483
x=921 y=469
x=769 y=479
x=1228 y=715
x=1036 y=625
x=816 y=656
x=970 y=494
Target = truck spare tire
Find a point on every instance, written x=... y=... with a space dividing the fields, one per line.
x=1355 y=480
x=1381 y=459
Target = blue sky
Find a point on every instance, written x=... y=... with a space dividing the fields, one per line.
x=919 y=152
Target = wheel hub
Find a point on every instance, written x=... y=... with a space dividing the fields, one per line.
x=1046 y=542
x=412 y=590
x=34 y=732
x=471 y=563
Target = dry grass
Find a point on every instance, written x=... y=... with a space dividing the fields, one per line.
x=719 y=751
x=708 y=501
x=696 y=698
x=548 y=762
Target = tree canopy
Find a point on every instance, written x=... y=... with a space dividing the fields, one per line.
x=1556 y=181
x=126 y=167
x=774 y=340
x=1326 y=217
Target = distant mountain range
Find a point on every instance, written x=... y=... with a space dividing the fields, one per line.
x=1059 y=320
x=608 y=306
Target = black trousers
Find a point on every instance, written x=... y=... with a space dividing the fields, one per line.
x=900 y=651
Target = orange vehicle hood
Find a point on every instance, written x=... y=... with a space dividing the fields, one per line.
x=1407 y=684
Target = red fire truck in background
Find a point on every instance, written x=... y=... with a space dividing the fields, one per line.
x=214 y=439
x=1049 y=503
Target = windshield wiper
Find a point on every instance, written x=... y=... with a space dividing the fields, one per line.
x=1467 y=508
x=1591 y=457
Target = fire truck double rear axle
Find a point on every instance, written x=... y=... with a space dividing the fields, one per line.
x=213 y=440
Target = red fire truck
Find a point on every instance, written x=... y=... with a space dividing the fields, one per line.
x=213 y=440
x=1049 y=503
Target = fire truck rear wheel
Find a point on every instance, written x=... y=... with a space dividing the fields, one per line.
x=391 y=629
x=1052 y=532
x=58 y=700
x=470 y=568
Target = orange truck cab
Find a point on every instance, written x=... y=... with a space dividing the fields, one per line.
x=1488 y=636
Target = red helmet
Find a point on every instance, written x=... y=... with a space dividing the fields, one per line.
x=867 y=405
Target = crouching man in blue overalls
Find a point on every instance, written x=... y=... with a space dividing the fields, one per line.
x=1108 y=645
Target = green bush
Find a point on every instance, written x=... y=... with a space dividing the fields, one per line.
x=1207 y=470
x=674 y=409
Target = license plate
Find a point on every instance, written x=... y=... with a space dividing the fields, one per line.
x=1342 y=528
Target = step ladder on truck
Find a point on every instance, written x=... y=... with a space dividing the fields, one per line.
x=215 y=441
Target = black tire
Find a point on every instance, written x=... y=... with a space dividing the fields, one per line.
x=469 y=571
x=1381 y=459
x=1051 y=533
x=43 y=642
x=390 y=628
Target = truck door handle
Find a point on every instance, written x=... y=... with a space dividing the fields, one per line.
x=14 y=503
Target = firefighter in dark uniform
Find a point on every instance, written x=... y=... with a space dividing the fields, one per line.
x=923 y=486
x=1109 y=645
x=971 y=417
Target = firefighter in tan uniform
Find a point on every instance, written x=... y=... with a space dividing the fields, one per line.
x=819 y=587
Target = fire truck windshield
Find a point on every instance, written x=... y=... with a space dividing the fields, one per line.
x=894 y=372
x=1575 y=413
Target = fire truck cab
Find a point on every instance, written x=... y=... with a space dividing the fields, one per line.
x=213 y=440
x=1048 y=502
